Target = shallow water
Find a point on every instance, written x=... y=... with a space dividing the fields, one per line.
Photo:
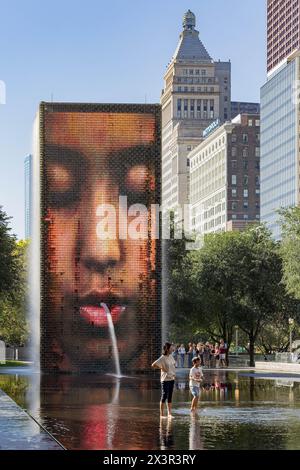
x=236 y=411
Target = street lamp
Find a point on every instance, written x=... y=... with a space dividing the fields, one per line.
x=236 y=339
x=291 y=324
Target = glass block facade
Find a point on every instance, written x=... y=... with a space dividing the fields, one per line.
x=279 y=139
x=28 y=196
x=100 y=164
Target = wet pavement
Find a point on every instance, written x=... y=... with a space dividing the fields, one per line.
x=18 y=431
x=237 y=410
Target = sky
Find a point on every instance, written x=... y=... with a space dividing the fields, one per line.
x=108 y=51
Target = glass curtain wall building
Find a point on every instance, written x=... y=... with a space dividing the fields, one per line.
x=279 y=144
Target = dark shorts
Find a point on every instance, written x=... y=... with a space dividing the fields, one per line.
x=167 y=391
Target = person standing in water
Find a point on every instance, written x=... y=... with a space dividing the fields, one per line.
x=196 y=377
x=166 y=364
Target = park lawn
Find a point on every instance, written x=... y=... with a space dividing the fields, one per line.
x=14 y=364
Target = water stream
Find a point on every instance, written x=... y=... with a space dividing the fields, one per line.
x=113 y=339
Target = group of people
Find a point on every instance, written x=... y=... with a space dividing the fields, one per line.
x=210 y=355
x=198 y=355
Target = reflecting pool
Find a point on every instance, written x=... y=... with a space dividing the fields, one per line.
x=237 y=410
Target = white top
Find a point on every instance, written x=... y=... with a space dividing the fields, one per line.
x=195 y=375
x=181 y=350
x=169 y=365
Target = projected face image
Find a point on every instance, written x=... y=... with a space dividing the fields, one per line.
x=91 y=159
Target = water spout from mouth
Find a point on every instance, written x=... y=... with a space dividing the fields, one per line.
x=113 y=339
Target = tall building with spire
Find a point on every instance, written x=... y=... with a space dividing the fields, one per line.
x=197 y=93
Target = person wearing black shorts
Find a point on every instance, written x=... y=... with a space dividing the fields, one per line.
x=166 y=364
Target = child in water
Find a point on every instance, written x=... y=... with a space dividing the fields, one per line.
x=196 y=376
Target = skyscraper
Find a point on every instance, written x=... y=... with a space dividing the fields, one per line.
x=280 y=114
x=224 y=177
x=197 y=92
x=283 y=35
x=28 y=195
x=244 y=107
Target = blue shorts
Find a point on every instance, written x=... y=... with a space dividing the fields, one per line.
x=195 y=391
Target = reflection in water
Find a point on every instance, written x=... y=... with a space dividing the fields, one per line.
x=165 y=434
x=236 y=411
x=195 y=438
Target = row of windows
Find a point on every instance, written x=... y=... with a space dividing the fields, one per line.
x=234 y=205
x=234 y=180
x=218 y=199
x=205 y=188
x=245 y=217
x=193 y=71
x=200 y=109
x=198 y=89
x=214 y=223
x=245 y=163
x=201 y=157
x=245 y=152
x=245 y=138
x=234 y=192
x=196 y=80
x=216 y=160
x=251 y=121
x=214 y=211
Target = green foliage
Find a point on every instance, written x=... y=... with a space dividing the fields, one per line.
x=177 y=287
x=16 y=387
x=8 y=259
x=235 y=279
x=290 y=249
x=14 y=328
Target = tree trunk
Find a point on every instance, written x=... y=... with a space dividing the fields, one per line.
x=227 y=354
x=251 y=350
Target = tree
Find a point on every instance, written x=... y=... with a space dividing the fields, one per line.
x=235 y=279
x=178 y=298
x=275 y=335
x=14 y=328
x=290 y=249
x=8 y=257
x=215 y=277
x=259 y=289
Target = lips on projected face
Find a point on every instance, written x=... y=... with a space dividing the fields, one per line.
x=96 y=315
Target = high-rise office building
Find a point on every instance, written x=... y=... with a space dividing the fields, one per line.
x=283 y=35
x=243 y=107
x=280 y=115
x=197 y=92
x=224 y=177
x=28 y=196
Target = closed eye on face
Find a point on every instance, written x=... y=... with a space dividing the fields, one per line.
x=67 y=170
